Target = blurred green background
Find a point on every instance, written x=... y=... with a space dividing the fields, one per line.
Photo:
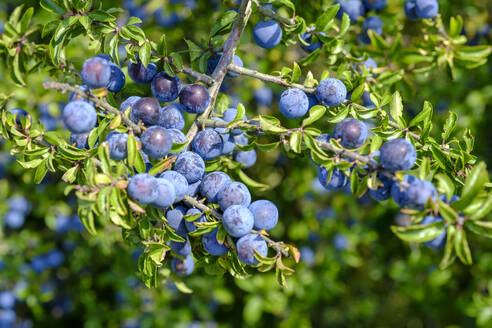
x=353 y=272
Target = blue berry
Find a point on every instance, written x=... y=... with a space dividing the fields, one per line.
x=20 y=204
x=238 y=220
x=80 y=140
x=293 y=103
x=267 y=34
x=117 y=79
x=7 y=318
x=352 y=132
x=245 y=157
x=146 y=110
x=212 y=246
x=177 y=137
x=128 y=103
x=190 y=165
x=7 y=299
x=208 y=144
x=338 y=179
x=366 y=100
x=246 y=247
x=375 y=4
x=353 y=8
x=307 y=255
x=214 y=60
x=340 y=242
x=229 y=116
x=181 y=248
x=439 y=241
x=371 y=23
x=18 y=113
x=175 y=220
x=14 y=219
x=165 y=88
x=193 y=188
x=72 y=96
x=79 y=116
x=382 y=192
x=370 y=63
x=172 y=117
x=234 y=193
x=194 y=98
x=190 y=225
x=104 y=56
x=141 y=74
x=212 y=183
x=426 y=8
x=263 y=96
x=308 y=37
x=54 y=258
x=143 y=188
x=416 y=195
x=398 y=155
x=117 y=143
x=410 y=10
x=96 y=72
x=228 y=144
x=331 y=92
x=166 y=194
x=183 y=267
x=178 y=181
x=156 y=142
x=265 y=214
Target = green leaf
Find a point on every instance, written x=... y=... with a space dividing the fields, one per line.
x=447 y=258
x=144 y=54
x=51 y=6
x=296 y=73
x=323 y=21
x=315 y=113
x=223 y=22
x=482 y=228
x=473 y=184
x=424 y=115
x=442 y=158
x=295 y=141
x=70 y=175
x=194 y=50
x=250 y=182
x=241 y=111
x=181 y=286
x=396 y=110
x=449 y=125
x=447 y=212
x=102 y=16
x=41 y=171
x=445 y=185
x=455 y=26
x=131 y=144
x=461 y=247
x=483 y=209
x=419 y=233
x=357 y=93
x=345 y=25
x=25 y=20
x=268 y=126
x=162 y=46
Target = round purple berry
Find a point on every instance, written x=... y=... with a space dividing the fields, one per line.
x=265 y=214
x=238 y=220
x=156 y=142
x=234 y=193
x=194 y=98
x=79 y=116
x=190 y=165
x=246 y=247
x=143 y=188
x=165 y=88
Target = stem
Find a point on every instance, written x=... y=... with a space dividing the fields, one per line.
x=197 y=75
x=268 y=78
x=271 y=14
x=195 y=203
x=98 y=102
x=226 y=58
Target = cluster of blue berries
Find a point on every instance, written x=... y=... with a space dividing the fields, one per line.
x=240 y=215
x=420 y=9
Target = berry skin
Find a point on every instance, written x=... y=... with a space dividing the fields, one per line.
x=128 y=103
x=193 y=188
x=398 y=155
x=352 y=132
x=7 y=299
x=267 y=34
x=96 y=72
x=293 y=103
x=410 y=10
x=331 y=92
x=308 y=37
x=118 y=145
x=340 y=242
x=166 y=194
x=263 y=96
x=141 y=74
x=79 y=116
x=371 y=23
x=190 y=226
x=19 y=203
x=234 y=193
x=175 y=220
x=177 y=137
x=228 y=144
x=370 y=63
x=238 y=220
x=214 y=60
x=416 y=195
x=194 y=98
x=439 y=241
x=143 y=188
x=208 y=144
x=190 y=165
x=14 y=219
x=353 y=8
x=117 y=79
x=366 y=100
x=247 y=158
x=375 y=4
x=338 y=179
x=212 y=246
x=265 y=213
x=165 y=88
x=426 y=8
x=247 y=244
x=104 y=56
x=229 y=116
x=146 y=110
x=382 y=192
x=183 y=267
x=156 y=142
x=181 y=248
x=54 y=258
x=178 y=181
x=172 y=117
x=307 y=255
x=212 y=183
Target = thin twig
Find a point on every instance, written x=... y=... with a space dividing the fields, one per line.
x=97 y=101
x=271 y=14
x=268 y=78
x=199 y=77
x=225 y=59
x=195 y=203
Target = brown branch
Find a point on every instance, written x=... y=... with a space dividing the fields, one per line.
x=64 y=87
